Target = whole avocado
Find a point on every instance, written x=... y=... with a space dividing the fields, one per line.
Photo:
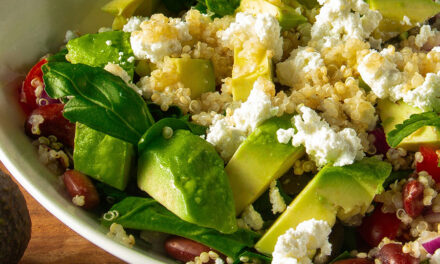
x=15 y=222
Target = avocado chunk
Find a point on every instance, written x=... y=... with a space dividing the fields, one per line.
x=396 y=113
x=249 y=65
x=284 y=10
x=15 y=223
x=393 y=12
x=335 y=191
x=196 y=74
x=259 y=160
x=124 y=9
x=102 y=157
x=185 y=174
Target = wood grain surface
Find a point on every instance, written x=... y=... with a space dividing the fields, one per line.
x=54 y=242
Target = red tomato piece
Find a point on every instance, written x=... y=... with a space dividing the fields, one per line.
x=429 y=163
x=28 y=98
x=379 y=225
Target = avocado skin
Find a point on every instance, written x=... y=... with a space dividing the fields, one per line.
x=15 y=222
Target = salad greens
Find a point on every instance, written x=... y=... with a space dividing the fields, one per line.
x=99 y=100
x=147 y=214
x=99 y=49
x=411 y=125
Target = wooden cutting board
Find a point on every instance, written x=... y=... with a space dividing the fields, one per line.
x=54 y=242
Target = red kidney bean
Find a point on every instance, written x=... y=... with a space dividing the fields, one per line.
x=377 y=226
x=412 y=196
x=78 y=184
x=186 y=250
x=49 y=120
x=380 y=142
x=354 y=261
x=393 y=254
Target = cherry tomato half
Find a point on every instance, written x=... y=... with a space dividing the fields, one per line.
x=429 y=163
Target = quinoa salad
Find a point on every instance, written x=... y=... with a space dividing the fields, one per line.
x=252 y=131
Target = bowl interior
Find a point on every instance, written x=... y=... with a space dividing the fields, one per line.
x=28 y=32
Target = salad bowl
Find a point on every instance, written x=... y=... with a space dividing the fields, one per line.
x=28 y=32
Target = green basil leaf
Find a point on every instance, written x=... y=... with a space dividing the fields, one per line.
x=147 y=214
x=98 y=99
x=99 y=49
x=411 y=125
x=58 y=57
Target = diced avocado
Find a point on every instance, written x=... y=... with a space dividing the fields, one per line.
x=308 y=3
x=249 y=65
x=196 y=74
x=102 y=157
x=124 y=9
x=186 y=175
x=259 y=160
x=393 y=114
x=334 y=191
x=284 y=10
x=393 y=12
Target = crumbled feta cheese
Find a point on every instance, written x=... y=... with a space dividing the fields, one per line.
x=426 y=96
x=292 y=71
x=285 y=135
x=227 y=133
x=118 y=234
x=343 y=19
x=275 y=198
x=159 y=37
x=134 y=24
x=425 y=33
x=108 y=43
x=117 y=70
x=323 y=143
x=386 y=81
x=252 y=218
x=297 y=246
x=78 y=200
x=263 y=28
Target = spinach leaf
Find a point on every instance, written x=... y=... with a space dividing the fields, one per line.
x=222 y=7
x=396 y=176
x=158 y=114
x=411 y=125
x=147 y=214
x=344 y=255
x=99 y=100
x=99 y=49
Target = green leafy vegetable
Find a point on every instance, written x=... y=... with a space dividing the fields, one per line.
x=147 y=214
x=396 y=176
x=99 y=49
x=344 y=255
x=99 y=100
x=253 y=257
x=411 y=125
x=177 y=6
x=222 y=7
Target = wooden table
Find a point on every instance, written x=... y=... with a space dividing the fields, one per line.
x=54 y=242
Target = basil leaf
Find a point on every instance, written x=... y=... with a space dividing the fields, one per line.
x=147 y=214
x=58 y=57
x=411 y=125
x=222 y=7
x=99 y=100
x=99 y=49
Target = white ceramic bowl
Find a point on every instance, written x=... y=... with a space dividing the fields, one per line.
x=29 y=30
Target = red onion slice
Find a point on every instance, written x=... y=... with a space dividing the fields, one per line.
x=432 y=245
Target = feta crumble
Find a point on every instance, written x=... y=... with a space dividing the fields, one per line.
x=426 y=96
x=263 y=28
x=159 y=37
x=227 y=132
x=252 y=218
x=343 y=19
x=425 y=33
x=275 y=198
x=108 y=43
x=117 y=70
x=134 y=23
x=298 y=246
x=435 y=259
x=303 y=60
x=321 y=142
